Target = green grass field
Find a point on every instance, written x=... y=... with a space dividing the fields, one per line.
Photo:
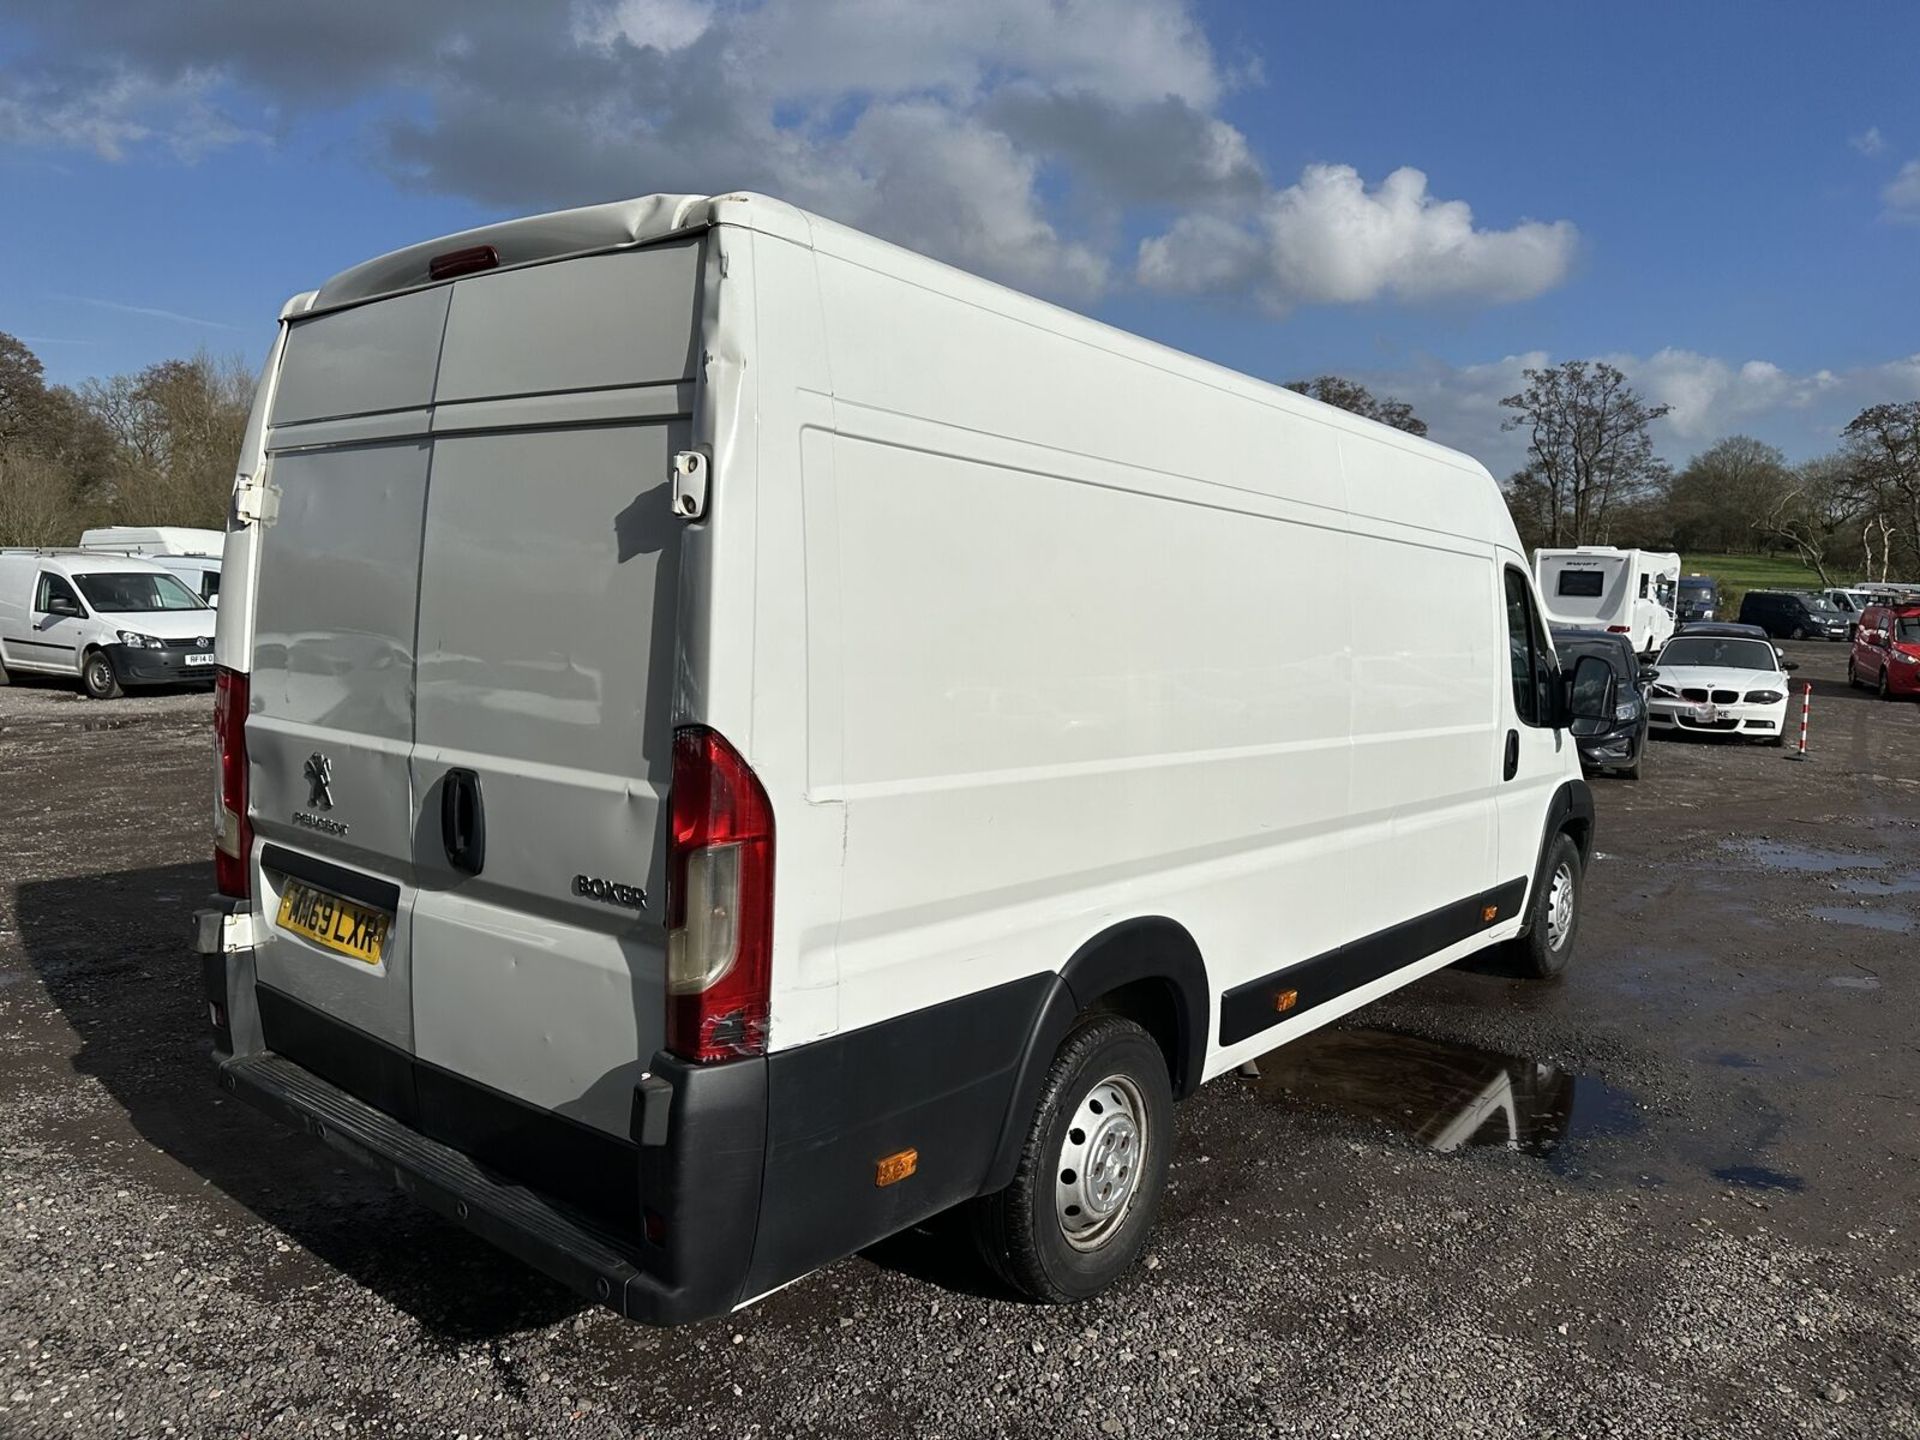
x=1752 y=572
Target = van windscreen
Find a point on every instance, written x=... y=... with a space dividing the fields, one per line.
x=1580 y=582
x=116 y=594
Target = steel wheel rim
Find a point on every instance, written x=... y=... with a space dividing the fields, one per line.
x=99 y=674
x=1560 y=906
x=1101 y=1160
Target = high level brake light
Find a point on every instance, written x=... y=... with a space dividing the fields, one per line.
x=232 y=831
x=719 y=902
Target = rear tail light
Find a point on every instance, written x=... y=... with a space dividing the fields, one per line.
x=1618 y=629
x=719 y=902
x=232 y=832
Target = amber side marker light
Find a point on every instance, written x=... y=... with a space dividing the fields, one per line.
x=1285 y=1000
x=896 y=1167
x=1487 y=914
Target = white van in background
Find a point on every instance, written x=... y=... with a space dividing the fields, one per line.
x=107 y=620
x=734 y=737
x=193 y=555
x=1599 y=587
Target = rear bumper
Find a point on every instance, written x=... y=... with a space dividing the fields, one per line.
x=167 y=666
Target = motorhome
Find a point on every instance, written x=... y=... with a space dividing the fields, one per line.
x=1600 y=587
x=193 y=555
x=734 y=738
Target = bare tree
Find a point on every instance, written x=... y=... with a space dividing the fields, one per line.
x=1816 y=506
x=1587 y=446
x=1883 y=458
x=1353 y=396
x=1712 y=502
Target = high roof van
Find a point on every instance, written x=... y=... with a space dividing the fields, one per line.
x=734 y=738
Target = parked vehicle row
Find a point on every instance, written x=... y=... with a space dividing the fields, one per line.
x=1795 y=614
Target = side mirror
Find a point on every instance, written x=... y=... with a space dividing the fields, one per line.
x=1789 y=664
x=61 y=605
x=1648 y=674
x=1591 y=691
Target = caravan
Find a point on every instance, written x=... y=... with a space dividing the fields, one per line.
x=1599 y=587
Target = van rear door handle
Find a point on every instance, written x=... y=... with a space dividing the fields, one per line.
x=463 y=823
x=1513 y=755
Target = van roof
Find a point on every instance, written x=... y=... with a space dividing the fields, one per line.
x=89 y=562
x=649 y=219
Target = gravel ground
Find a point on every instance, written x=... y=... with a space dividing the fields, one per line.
x=1705 y=1230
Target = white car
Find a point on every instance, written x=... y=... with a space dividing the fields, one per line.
x=1721 y=685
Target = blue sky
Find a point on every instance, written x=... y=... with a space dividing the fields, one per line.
x=1723 y=199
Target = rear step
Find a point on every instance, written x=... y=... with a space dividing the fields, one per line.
x=551 y=1239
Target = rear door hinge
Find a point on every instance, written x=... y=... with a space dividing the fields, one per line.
x=690 y=485
x=253 y=498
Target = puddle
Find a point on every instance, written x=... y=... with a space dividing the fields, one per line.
x=1446 y=1095
x=1908 y=884
x=1778 y=855
x=1854 y=982
x=1867 y=919
x=1759 y=1177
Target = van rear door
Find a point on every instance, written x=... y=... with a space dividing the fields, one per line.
x=549 y=582
x=330 y=728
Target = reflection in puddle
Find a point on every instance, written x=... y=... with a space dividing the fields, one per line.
x=1870 y=919
x=1445 y=1095
x=1778 y=855
x=1908 y=884
x=1854 y=982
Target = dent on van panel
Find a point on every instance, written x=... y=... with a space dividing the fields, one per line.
x=355 y=362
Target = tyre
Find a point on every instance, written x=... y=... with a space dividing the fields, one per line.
x=1774 y=742
x=1092 y=1170
x=1630 y=772
x=1553 y=918
x=1853 y=675
x=98 y=677
x=1886 y=691
x=1799 y=633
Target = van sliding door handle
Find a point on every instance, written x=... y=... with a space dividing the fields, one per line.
x=1512 y=766
x=463 y=823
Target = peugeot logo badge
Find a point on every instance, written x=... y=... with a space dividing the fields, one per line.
x=319 y=773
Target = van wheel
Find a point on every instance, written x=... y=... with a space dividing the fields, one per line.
x=1092 y=1171
x=1799 y=633
x=1554 y=918
x=97 y=675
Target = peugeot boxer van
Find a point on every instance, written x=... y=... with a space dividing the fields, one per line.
x=734 y=738
x=108 y=621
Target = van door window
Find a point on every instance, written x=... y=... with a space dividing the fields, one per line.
x=1531 y=656
x=1643 y=585
x=50 y=586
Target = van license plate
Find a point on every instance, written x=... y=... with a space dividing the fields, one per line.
x=342 y=926
x=199 y=659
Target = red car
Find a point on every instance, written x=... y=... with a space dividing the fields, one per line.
x=1886 y=650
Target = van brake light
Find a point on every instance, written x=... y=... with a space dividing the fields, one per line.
x=1619 y=629
x=462 y=262
x=232 y=831
x=719 y=902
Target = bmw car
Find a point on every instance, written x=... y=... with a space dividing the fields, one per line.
x=1720 y=685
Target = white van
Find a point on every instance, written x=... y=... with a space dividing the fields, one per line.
x=735 y=737
x=109 y=621
x=193 y=555
x=1599 y=587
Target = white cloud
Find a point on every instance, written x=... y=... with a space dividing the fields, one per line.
x=1901 y=195
x=1869 y=141
x=1328 y=239
x=1020 y=138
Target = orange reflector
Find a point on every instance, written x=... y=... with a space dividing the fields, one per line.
x=1285 y=1000
x=896 y=1167
x=1488 y=913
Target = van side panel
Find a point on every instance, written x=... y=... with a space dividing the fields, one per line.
x=1053 y=717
